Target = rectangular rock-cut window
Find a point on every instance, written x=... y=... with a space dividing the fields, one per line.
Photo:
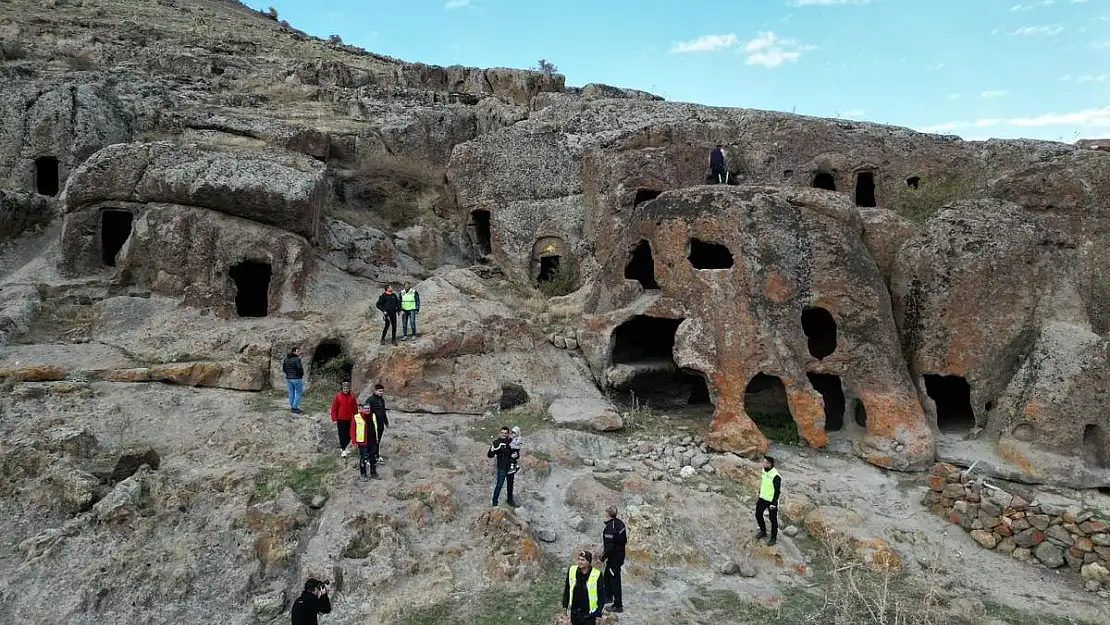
x=832 y=392
x=952 y=396
x=252 y=288
x=115 y=230
x=865 y=189
x=47 y=180
x=483 y=239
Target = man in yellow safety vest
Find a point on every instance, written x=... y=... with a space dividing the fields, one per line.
x=769 y=488
x=364 y=434
x=583 y=591
x=410 y=305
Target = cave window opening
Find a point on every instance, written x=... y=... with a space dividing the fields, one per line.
x=832 y=392
x=549 y=268
x=767 y=405
x=644 y=338
x=482 y=233
x=643 y=351
x=115 y=229
x=328 y=359
x=861 y=414
x=952 y=396
x=641 y=266
x=819 y=327
x=824 y=180
x=645 y=195
x=47 y=180
x=913 y=182
x=708 y=255
x=1095 y=446
x=252 y=288
x=865 y=189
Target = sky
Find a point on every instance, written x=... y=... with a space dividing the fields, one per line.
x=973 y=68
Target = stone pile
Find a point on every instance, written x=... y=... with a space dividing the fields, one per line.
x=1053 y=535
x=676 y=457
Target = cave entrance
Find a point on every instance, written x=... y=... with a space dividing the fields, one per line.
x=645 y=195
x=824 y=180
x=641 y=266
x=644 y=338
x=766 y=403
x=865 y=189
x=708 y=255
x=252 y=288
x=952 y=396
x=483 y=239
x=549 y=268
x=115 y=229
x=644 y=372
x=913 y=182
x=861 y=414
x=47 y=179
x=329 y=361
x=820 y=330
x=1095 y=446
x=832 y=392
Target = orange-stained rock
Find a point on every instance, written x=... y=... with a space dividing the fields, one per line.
x=34 y=373
x=229 y=375
x=840 y=528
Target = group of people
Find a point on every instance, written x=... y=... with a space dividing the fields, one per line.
x=362 y=425
x=407 y=303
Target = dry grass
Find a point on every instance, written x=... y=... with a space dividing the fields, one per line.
x=81 y=61
x=933 y=193
x=402 y=191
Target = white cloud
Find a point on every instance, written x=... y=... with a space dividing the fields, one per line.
x=937 y=67
x=456 y=4
x=768 y=50
x=705 y=43
x=802 y=3
x=1088 y=78
x=1086 y=118
x=1033 y=5
x=953 y=96
x=996 y=93
x=1055 y=29
x=1100 y=45
x=853 y=113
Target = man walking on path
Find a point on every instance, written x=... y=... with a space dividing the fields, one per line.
x=343 y=407
x=583 y=591
x=314 y=600
x=614 y=537
x=769 y=488
x=410 y=306
x=389 y=305
x=294 y=378
x=500 y=449
x=377 y=405
x=364 y=434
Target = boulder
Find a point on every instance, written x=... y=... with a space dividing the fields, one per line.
x=1049 y=555
x=22 y=211
x=367 y=252
x=592 y=411
x=123 y=501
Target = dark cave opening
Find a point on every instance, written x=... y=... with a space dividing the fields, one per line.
x=824 y=180
x=1095 y=445
x=766 y=403
x=913 y=182
x=709 y=255
x=644 y=195
x=819 y=327
x=865 y=189
x=952 y=396
x=329 y=357
x=115 y=229
x=644 y=338
x=861 y=414
x=252 y=288
x=641 y=266
x=480 y=220
x=832 y=392
x=47 y=178
x=549 y=268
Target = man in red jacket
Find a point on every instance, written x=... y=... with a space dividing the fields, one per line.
x=343 y=407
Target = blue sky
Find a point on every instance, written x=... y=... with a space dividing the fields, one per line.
x=976 y=68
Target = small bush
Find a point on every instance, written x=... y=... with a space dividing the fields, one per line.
x=780 y=428
x=547 y=68
x=324 y=382
x=932 y=194
x=81 y=62
x=305 y=481
x=561 y=283
x=336 y=39
x=401 y=190
x=272 y=13
x=12 y=50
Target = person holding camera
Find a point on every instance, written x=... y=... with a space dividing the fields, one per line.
x=312 y=602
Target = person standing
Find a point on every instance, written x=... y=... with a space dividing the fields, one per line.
x=364 y=435
x=389 y=304
x=717 y=165
x=769 y=488
x=614 y=537
x=377 y=405
x=294 y=378
x=313 y=601
x=583 y=591
x=343 y=408
x=410 y=306
x=500 y=448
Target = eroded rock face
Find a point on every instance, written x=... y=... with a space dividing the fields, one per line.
x=776 y=253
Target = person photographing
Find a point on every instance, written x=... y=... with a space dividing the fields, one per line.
x=312 y=602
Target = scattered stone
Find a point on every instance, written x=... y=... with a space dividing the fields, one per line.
x=790 y=530
x=1095 y=572
x=699 y=461
x=703 y=487
x=545 y=535
x=269 y=606
x=318 y=501
x=984 y=538
x=1022 y=554
x=687 y=471
x=1049 y=555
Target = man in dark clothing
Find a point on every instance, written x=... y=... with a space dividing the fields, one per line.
x=294 y=378
x=389 y=305
x=614 y=538
x=505 y=455
x=584 y=591
x=717 y=165
x=769 y=488
x=314 y=600
x=377 y=405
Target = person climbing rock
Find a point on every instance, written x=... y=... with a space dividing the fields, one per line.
x=312 y=602
x=343 y=408
x=294 y=378
x=389 y=305
x=500 y=449
x=614 y=537
x=364 y=435
x=717 y=165
x=583 y=591
x=410 y=306
x=377 y=405
x=769 y=488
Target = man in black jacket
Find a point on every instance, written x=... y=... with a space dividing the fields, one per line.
x=583 y=591
x=505 y=455
x=614 y=538
x=389 y=305
x=377 y=405
x=314 y=600
x=294 y=378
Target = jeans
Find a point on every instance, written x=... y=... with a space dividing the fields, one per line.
x=296 y=391
x=762 y=505
x=506 y=478
x=408 y=320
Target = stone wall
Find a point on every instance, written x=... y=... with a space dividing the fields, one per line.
x=1055 y=535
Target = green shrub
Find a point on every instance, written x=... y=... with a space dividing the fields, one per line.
x=780 y=427
x=561 y=282
x=933 y=193
x=305 y=481
x=12 y=50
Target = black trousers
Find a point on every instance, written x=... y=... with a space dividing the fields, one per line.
x=368 y=458
x=764 y=505
x=613 y=582
x=343 y=428
x=390 y=321
x=579 y=618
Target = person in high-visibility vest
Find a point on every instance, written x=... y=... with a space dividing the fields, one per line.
x=584 y=591
x=364 y=434
x=410 y=305
x=769 y=488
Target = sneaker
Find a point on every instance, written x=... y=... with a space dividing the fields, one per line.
x=772 y=542
x=761 y=536
x=297 y=411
